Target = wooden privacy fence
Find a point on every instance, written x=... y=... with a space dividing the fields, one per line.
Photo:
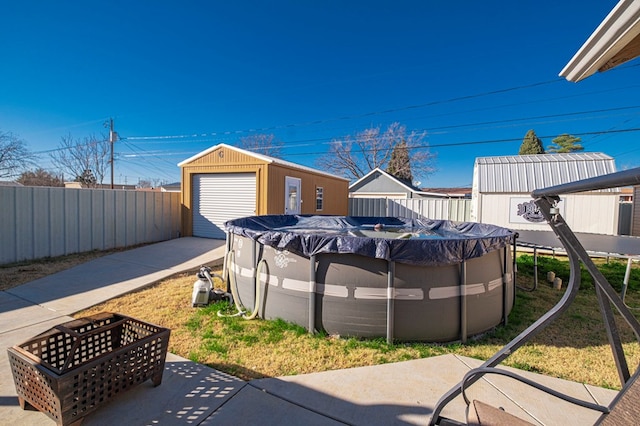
x=432 y=208
x=37 y=222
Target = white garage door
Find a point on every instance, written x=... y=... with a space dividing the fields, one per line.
x=221 y=197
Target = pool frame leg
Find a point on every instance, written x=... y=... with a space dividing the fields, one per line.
x=312 y=294
x=225 y=266
x=535 y=267
x=391 y=275
x=625 y=282
x=463 y=302
x=505 y=290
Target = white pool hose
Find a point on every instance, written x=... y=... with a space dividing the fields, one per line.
x=234 y=289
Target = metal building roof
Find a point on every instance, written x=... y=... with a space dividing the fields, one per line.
x=525 y=173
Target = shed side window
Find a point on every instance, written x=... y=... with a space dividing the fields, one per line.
x=319 y=198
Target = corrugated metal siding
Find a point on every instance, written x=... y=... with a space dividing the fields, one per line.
x=419 y=207
x=525 y=173
x=431 y=208
x=368 y=207
x=592 y=213
x=221 y=197
x=38 y=222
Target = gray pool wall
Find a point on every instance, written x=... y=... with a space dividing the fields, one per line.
x=352 y=295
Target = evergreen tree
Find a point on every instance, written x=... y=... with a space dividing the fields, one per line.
x=399 y=165
x=88 y=178
x=531 y=144
x=565 y=143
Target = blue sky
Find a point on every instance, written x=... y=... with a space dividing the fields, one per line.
x=474 y=75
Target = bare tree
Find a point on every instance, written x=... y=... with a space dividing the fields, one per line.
x=144 y=183
x=354 y=157
x=14 y=155
x=82 y=158
x=262 y=144
x=39 y=177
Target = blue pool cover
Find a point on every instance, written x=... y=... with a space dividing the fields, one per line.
x=412 y=241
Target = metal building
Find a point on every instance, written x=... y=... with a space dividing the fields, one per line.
x=502 y=186
x=225 y=182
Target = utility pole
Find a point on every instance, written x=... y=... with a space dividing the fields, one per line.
x=112 y=138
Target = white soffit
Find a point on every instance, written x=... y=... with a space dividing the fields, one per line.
x=606 y=46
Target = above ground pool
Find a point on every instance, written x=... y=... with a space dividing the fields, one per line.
x=403 y=279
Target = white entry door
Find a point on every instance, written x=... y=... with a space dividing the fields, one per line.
x=292 y=196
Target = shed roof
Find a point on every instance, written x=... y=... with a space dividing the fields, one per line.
x=261 y=157
x=377 y=171
x=525 y=173
x=355 y=186
x=615 y=41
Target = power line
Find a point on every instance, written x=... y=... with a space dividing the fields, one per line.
x=463 y=143
x=166 y=174
x=156 y=168
x=354 y=116
x=489 y=141
x=211 y=137
x=568 y=114
x=330 y=140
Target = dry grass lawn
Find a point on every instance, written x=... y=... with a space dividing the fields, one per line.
x=574 y=348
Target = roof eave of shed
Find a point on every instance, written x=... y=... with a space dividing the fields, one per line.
x=615 y=41
x=542 y=158
x=525 y=173
x=265 y=158
x=224 y=145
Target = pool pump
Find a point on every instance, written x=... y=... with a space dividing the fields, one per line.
x=203 y=291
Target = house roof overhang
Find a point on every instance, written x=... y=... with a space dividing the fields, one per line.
x=615 y=41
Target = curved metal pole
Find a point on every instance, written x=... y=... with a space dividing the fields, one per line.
x=546 y=200
x=629 y=177
x=564 y=303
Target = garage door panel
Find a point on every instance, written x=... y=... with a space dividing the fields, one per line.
x=220 y=197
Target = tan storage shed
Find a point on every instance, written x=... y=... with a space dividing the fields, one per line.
x=225 y=182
